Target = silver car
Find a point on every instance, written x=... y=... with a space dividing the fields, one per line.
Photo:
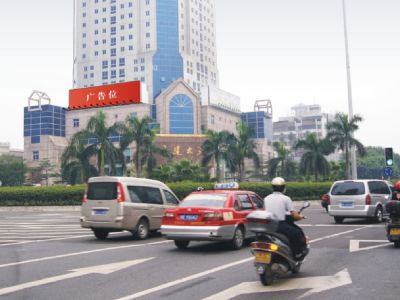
x=359 y=199
x=125 y=203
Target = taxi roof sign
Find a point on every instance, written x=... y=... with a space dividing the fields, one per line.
x=226 y=186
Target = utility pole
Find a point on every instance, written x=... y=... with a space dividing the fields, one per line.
x=353 y=158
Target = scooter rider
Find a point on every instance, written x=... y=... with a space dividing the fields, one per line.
x=282 y=207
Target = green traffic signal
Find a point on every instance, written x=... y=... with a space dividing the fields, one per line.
x=389 y=157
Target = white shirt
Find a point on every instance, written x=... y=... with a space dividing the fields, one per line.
x=278 y=204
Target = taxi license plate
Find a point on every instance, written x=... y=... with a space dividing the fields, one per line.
x=262 y=257
x=395 y=231
x=189 y=217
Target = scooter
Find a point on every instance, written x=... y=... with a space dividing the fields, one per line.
x=393 y=225
x=272 y=254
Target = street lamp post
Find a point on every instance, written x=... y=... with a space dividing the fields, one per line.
x=353 y=158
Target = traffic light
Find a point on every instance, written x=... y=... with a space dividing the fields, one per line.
x=389 y=157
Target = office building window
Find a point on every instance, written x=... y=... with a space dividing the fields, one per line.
x=122 y=73
x=181 y=115
x=113 y=52
x=35 y=155
x=113 y=41
x=122 y=61
x=35 y=139
x=75 y=123
x=113 y=9
x=113 y=30
x=104 y=75
x=113 y=19
x=113 y=63
x=113 y=74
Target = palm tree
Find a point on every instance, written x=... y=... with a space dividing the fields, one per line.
x=139 y=131
x=243 y=147
x=75 y=164
x=341 y=132
x=97 y=130
x=164 y=173
x=313 y=160
x=215 y=148
x=281 y=165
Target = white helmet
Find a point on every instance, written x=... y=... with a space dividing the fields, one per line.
x=278 y=181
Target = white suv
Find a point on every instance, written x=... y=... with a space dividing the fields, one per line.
x=359 y=199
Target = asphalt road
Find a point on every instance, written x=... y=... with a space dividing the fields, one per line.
x=46 y=255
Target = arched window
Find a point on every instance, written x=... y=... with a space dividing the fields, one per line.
x=181 y=115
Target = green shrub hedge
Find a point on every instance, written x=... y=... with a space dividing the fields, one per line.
x=72 y=195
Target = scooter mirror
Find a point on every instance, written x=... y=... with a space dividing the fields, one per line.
x=306 y=204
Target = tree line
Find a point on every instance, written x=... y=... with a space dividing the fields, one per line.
x=90 y=150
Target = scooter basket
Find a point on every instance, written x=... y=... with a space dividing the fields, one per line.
x=262 y=222
x=393 y=208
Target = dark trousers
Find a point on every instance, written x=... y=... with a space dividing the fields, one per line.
x=294 y=234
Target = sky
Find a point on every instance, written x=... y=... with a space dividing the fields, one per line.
x=288 y=51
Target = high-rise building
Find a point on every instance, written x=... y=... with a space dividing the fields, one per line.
x=154 y=41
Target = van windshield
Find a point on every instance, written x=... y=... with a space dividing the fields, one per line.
x=348 y=188
x=102 y=191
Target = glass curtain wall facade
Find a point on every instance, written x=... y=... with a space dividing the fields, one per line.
x=181 y=115
x=50 y=120
x=261 y=125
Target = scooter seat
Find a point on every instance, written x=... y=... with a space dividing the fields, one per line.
x=282 y=237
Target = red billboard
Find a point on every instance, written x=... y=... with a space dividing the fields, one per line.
x=105 y=95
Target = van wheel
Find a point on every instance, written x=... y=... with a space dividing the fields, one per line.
x=397 y=244
x=339 y=220
x=142 y=229
x=378 y=215
x=100 y=234
x=238 y=239
x=181 y=244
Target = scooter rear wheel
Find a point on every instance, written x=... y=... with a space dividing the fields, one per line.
x=296 y=269
x=267 y=278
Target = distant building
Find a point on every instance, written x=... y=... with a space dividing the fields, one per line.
x=306 y=119
x=260 y=121
x=5 y=149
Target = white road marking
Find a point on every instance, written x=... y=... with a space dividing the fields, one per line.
x=80 y=253
x=354 y=245
x=339 y=225
x=195 y=276
x=316 y=284
x=102 y=269
x=335 y=235
x=188 y=278
x=48 y=240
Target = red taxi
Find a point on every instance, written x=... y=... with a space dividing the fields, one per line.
x=211 y=215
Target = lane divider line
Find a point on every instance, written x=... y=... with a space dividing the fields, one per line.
x=216 y=269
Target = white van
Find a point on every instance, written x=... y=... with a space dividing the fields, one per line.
x=359 y=199
x=125 y=203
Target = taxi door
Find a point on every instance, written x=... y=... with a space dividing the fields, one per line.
x=244 y=206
